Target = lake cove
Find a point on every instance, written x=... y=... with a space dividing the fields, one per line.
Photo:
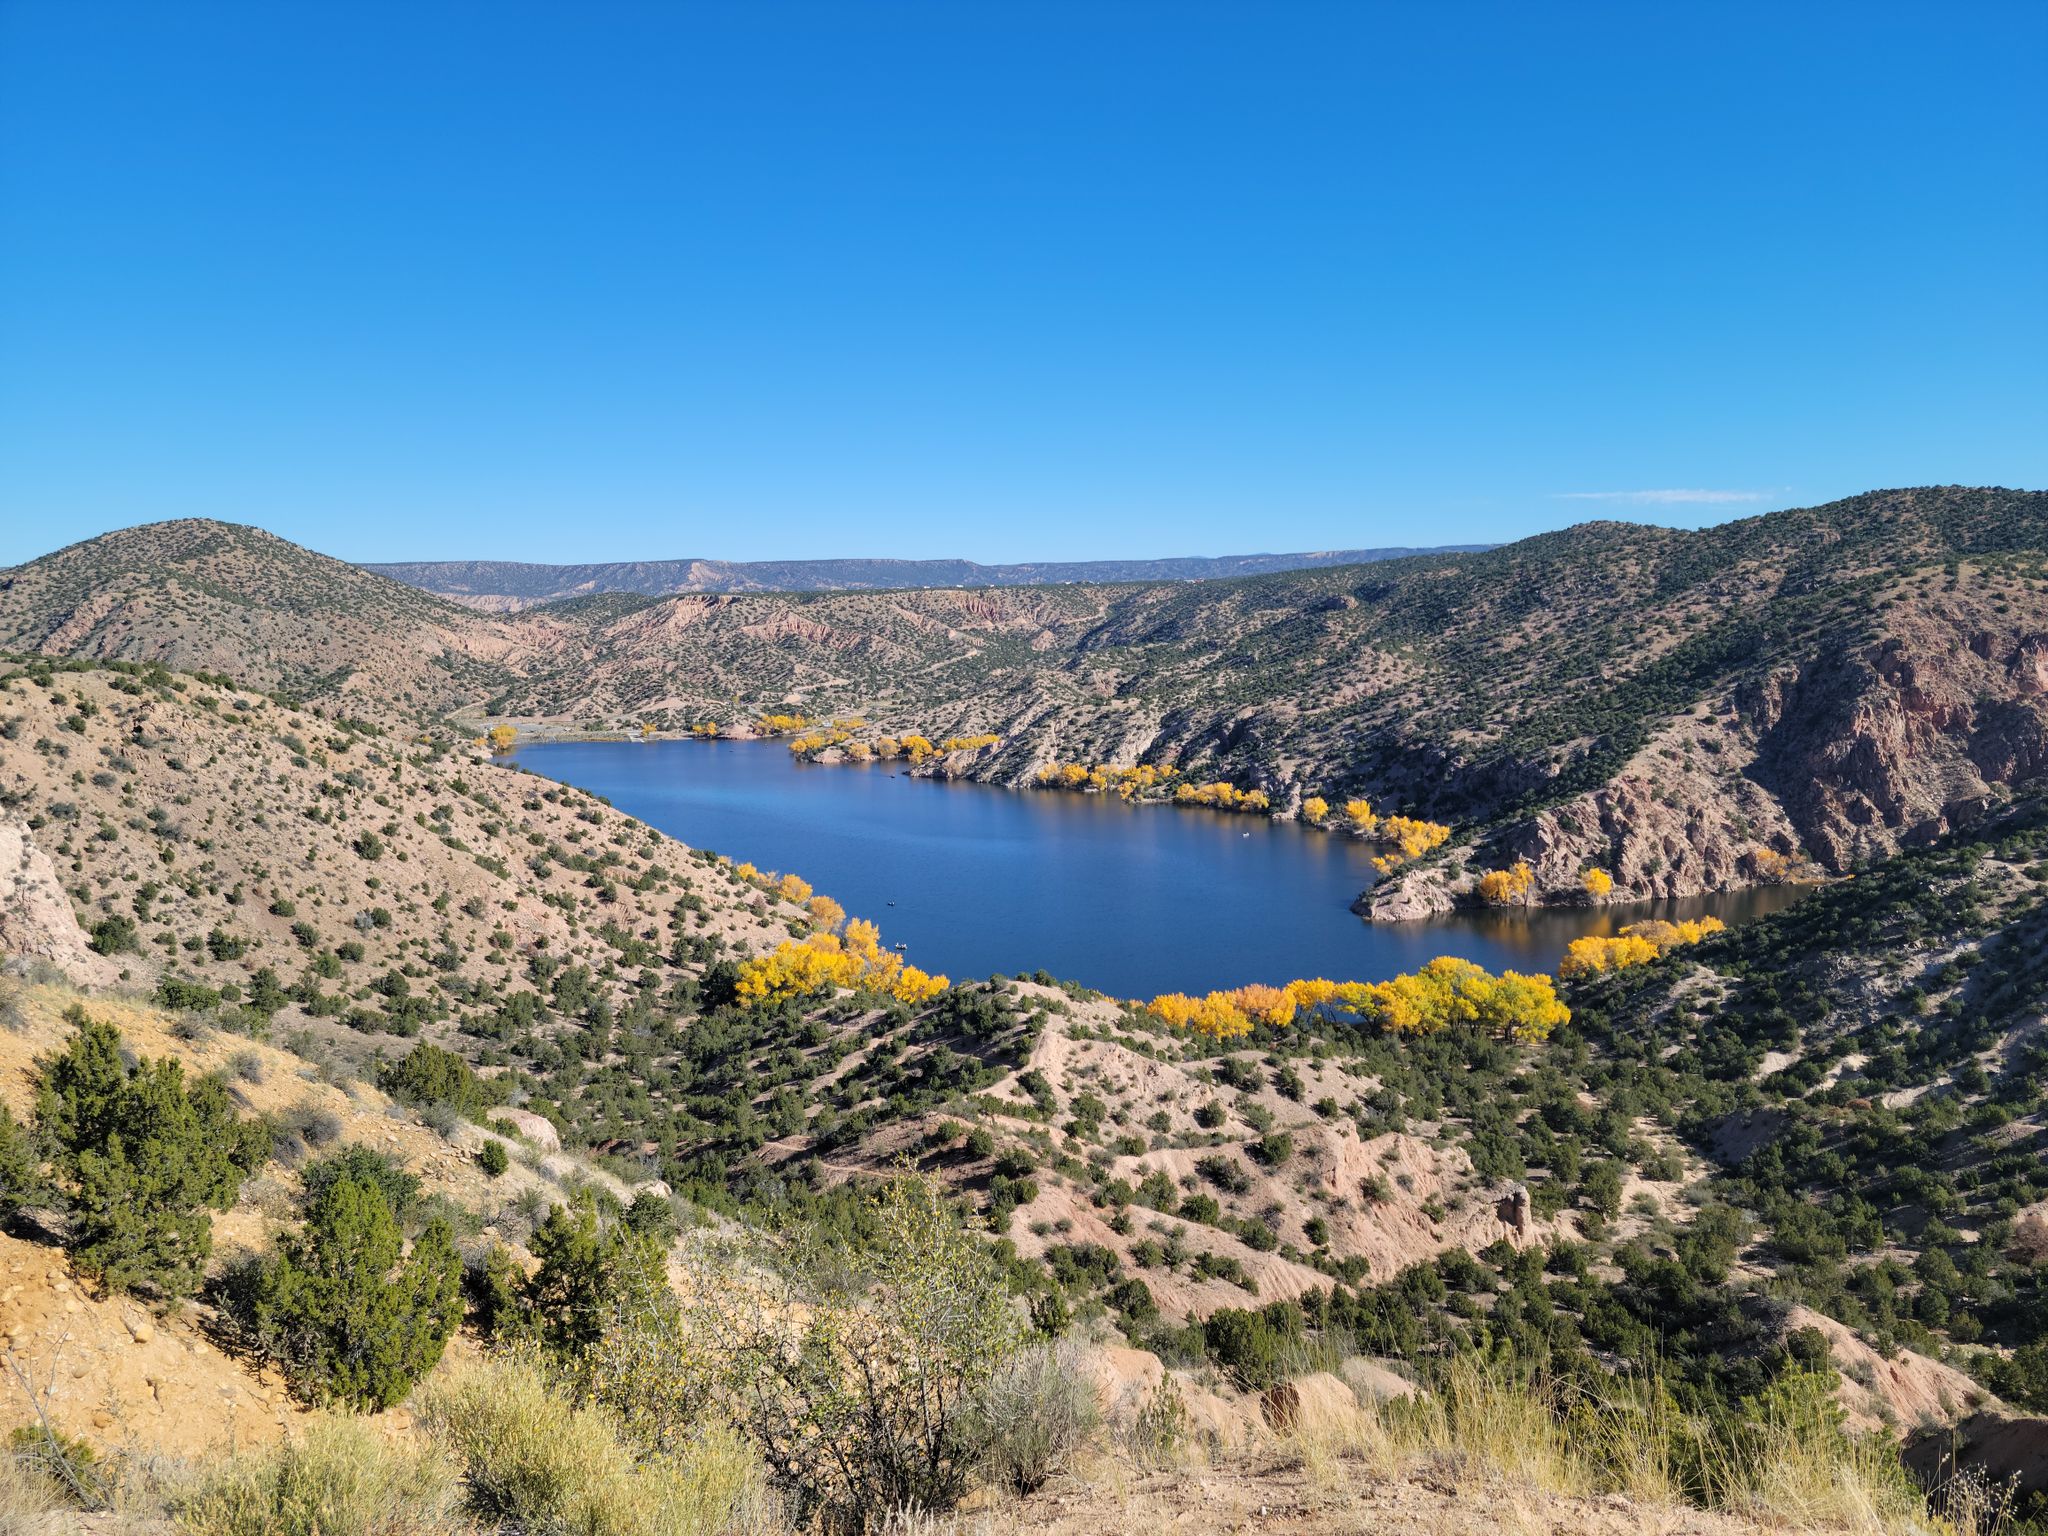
x=1132 y=900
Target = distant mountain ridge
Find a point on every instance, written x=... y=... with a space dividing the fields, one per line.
x=504 y=586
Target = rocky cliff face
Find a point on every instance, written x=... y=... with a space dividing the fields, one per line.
x=1876 y=736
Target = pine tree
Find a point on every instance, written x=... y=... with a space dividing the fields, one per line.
x=139 y=1159
x=354 y=1321
x=21 y=1178
x=587 y=1268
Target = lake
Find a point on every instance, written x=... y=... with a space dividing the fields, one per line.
x=1130 y=899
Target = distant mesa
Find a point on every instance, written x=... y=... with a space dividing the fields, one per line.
x=505 y=586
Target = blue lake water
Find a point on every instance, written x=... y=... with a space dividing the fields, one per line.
x=1133 y=900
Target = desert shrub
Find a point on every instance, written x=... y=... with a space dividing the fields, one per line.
x=399 y=1186
x=28 y=1502
x=533 y=1461
x=114 y=935
x=589 y=1268
x=492 y=1158
x=1793 y=1459
x=1157 y=1432
x=353 y=1319
x=302 y=1128
x=69 y=1470
x=1033 y=1417
x=177 y=993
x=337 y=1478
x=429 y=1075
x=21 y=1176
x=1253 y=1348
x=858 y=1374
x=653 y=1216
x=140 y=1157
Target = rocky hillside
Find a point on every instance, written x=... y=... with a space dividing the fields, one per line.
x=1689 y=711
x=1818 y=1140
x=506 y=586
x=223 y=848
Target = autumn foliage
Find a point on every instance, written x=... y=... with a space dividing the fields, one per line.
x=1507 y=887
x=1637 y=944
x=913 y=748
x=1138 y=781
x=1223 y=796
x=1445 y=993
x=1408 y=837
x=1597 y=882
x=825 y=960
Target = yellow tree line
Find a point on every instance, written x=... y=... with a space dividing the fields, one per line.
x=1637 y=944
x=1512 y=886
x=856 y=960
x=1127 y=783
x=913 y=748
x=800 y=968
x=1445 y=993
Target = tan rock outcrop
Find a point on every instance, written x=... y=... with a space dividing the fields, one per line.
x=36 y=920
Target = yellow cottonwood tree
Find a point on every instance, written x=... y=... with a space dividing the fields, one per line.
x=1446 y=993
x=1637 y=944
x=1315 y=808
x=1597 y=882
x=1504 y=887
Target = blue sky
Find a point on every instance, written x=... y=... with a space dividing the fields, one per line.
x=1064 y=280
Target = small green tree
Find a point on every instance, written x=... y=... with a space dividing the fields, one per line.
x=492 y=1159
x=429 y=1075
x=21 y=1175
x=399 y=1186
x=586 y=1267
x=354 y=1320
x=140 y=1157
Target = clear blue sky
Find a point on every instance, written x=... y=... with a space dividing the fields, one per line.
x=1063 y=280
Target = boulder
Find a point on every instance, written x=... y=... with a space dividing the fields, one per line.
x=1214 y=1422
x=537 y=1129
x=1316 y=1404
x=1372 y=1382
x=1124 y=1379
x=36 y=919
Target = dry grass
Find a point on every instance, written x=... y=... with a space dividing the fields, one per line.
x=534 y=1462
x=1790 y=1468
x=338 y=1478
x=27 y=1500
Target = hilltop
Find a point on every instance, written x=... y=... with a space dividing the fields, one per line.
x=223 y=847
x=203 y=596
x=506 y=586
